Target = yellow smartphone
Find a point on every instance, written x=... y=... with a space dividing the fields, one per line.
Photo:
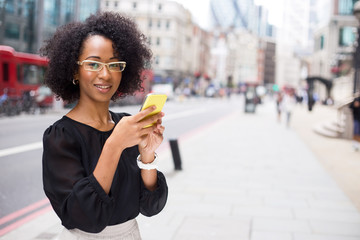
x=153 y=99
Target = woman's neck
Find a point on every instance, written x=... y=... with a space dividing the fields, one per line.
x=96 y=116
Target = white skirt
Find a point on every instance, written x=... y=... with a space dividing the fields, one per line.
x=125 y=231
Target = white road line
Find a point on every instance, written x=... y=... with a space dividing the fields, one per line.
x=20 y=149
x=38 y=145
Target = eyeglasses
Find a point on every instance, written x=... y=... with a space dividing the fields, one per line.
x=96 y=66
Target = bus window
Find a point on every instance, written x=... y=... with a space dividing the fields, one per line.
x=41 y=75
x=5 y=72
x=30 y=74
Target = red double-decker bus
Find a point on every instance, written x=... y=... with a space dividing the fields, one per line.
x=21 y=80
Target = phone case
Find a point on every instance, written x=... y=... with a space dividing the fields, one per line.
x=154 y=99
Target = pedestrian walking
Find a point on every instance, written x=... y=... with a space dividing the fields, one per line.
x=287 y=105
x=279 y=98
x=355 y=108
x=99 y=168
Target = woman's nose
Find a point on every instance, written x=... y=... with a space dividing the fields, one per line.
x=104 y=72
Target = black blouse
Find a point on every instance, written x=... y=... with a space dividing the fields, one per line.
x=71 y=152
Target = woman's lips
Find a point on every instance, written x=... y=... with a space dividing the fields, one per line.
x=103 y=88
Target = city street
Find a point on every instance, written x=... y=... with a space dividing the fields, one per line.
x=21 y=148
x=249 y=166
x=245 y=176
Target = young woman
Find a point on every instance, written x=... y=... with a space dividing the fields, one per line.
x=98 y=166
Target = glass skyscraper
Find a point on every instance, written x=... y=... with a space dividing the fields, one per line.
x=25 y=24
x=232 y=14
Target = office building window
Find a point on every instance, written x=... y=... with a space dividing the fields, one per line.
x=150 y=23
x=12 y=31
x=116 y=4
x=159 y=7
x=346 y=36
x=322 y=42
x=68 y=11
x=319 y=43
x=87 y=7
x=134 y=5
x=158 y=41
x=10 y=6
x=346 y=7
x=168 y=24
x=28 y=8
x=159 y=23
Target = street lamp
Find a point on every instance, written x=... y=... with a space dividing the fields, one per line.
x=356 y=12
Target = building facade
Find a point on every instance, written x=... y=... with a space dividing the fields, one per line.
x=335 y=37
x=293 y=42
x=244 y=25
x=180 y=48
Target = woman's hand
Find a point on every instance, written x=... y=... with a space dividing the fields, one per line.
x=130 y=131
x=151 y=141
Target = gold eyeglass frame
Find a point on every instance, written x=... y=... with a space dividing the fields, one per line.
x=123 y=64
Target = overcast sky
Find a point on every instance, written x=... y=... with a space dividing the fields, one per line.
x=200 y=10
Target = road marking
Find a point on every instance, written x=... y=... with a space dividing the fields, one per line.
x=23 y=211
x=24 y=220
x=20 y=149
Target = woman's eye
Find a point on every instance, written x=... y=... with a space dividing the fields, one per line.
x=94 y=65
x=114 y=65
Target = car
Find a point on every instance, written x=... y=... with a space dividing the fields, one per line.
x=166 y=89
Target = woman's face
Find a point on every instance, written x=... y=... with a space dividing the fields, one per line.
x=98 y=86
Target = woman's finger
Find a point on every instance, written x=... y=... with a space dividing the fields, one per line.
x=148 y=130
x=152 y=119
x=159 y=121
x=161 y=129
x=142 y=114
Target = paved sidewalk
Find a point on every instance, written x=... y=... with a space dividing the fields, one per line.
x=244 y=177
x=335 y=155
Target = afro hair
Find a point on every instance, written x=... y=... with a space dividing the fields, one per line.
x=65 y=46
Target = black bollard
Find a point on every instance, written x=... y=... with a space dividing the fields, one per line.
x=175 y=153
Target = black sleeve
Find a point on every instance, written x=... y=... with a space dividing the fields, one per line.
x=152 y=202
x=77 y=198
